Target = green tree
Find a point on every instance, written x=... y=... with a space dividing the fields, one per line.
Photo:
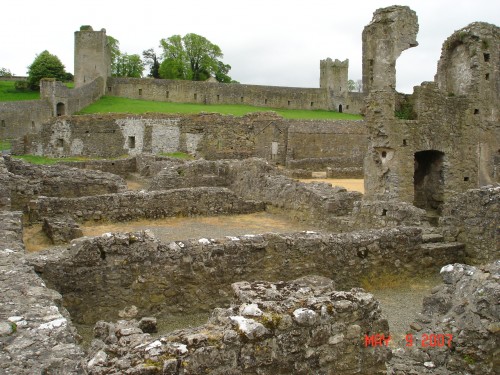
x=114 y=48
x=192 y=57
x=151 y=60
x=351 y=85
x=45 y=65
x=129 y=66
x=5 y=72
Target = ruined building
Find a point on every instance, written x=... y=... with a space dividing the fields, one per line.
x=449 y=139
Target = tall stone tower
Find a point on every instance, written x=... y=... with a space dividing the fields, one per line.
x=333 y=76
x=92 y=56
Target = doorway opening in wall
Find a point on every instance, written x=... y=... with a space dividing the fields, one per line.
x=340 y=108
x=428 y=180
x=60 y=109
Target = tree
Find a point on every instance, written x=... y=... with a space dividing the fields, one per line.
x=351 y=85
x=359 y=85
x=151 y=60
x=192 y=57
x=5 y=72
x=45 y=65
x=129 y=66
x=114 y=48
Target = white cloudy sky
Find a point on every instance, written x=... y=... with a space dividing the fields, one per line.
x=271 y=42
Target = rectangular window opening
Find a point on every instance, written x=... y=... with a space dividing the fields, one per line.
x=131 y=142
x=265 y=101
x=476 y=111
x=109 y=88
x=33 y=126
x=60 y=142
x=3 y=123
x=168 y=94
x=241 y=99
x=195 y=96
x=312 y=104
x=140 y=91
x=289 y=102
x=486 y=57
x=347 y=106
x=487 y=76
x=466 y=178
x=218 y=97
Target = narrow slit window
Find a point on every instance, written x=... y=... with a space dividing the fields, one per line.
x=486 y=57
x=195 y=96
x=131 y=142
x=140 y=91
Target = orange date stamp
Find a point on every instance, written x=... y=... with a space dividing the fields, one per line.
x=432 y=340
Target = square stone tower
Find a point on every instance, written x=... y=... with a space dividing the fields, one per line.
x=92 y=56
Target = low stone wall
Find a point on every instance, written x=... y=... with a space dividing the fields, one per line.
x=457 y=332
x=28 y=181
x=351 y=172
x=121 y=167
x=301 y=327
x=133 y=205
x=36 y=335
x=473 y=219
x=195 y=275
x=258 y=180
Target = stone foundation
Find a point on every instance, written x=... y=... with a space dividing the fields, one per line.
x=298 y=327
x=194 y=276
x=133 y=205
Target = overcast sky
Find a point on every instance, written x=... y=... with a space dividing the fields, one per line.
x=267 y=42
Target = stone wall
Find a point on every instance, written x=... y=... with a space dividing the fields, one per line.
x=21 y=117
x=449 y=138
x=255 y=179
x=122 y=167
x=472 y=218
x=36 y=334
x=315 y=144
x=28 y=181
x=457 y=331
x=299 y=327
x=137 y=205
x=178 y=91
x=195 y=275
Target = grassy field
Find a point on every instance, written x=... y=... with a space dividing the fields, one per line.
x=8 y=93
x=35 y=159
x=111 y=104
x=4 y=144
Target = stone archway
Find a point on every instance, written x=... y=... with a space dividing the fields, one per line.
x=428 y=179
x=60 y=109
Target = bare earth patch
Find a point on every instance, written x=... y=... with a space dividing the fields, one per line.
x=350 y=184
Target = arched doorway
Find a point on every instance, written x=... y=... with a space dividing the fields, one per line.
x=340 y=108
x=60 y=109
x=428 y=179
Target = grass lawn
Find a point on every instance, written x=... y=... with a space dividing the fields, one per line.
x=35 y=159
x=8 y=93
x=4 y=144
x=112 y=104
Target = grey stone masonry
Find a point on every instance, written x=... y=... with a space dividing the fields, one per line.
x=36 y=335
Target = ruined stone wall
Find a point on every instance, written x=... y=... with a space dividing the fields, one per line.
x=28 y=181
x=21 y=117
x=317 y=145
x=464 y=311
x=299 y=327
x=66 y=101
x=257 y=180
x=472 y=218
x=137 y=205
x=211 y=136
x=121 y=167
x=36 y=334
x=449 y=137
x=195 y=275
